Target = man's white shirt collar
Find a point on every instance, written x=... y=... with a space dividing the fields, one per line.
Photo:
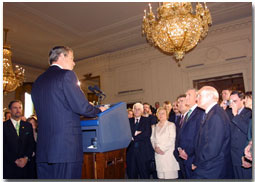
x=193 y=108
x=138 y=118
x=57 y=65
x=210 y=107
x=240 y=110
x=14 y=122
x=185 y=113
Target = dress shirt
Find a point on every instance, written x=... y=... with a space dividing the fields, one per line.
x=184 y=117
x=14 y=122
x=192 y=109
x=57 y=65
x=240 y=110
x=210 y=107
x=137 y=119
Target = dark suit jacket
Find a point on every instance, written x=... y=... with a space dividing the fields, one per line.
x=171 y=116
x=15 y=147
x=176 y=153
x=239 y=132
x=142 y=141
x=59 y=102
x=212 y=153
x=187 y=135
x=153 y=119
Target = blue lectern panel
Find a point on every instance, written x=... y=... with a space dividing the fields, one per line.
x=93 y=122
x=111 y=130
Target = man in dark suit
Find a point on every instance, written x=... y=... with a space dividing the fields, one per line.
x=148 y=114
x=59 y=102
x=18 y=144
x=139 y=151
x=153 y=121
x=188 y=132
x=240 y=118
x=212 y=153
x=174 y=114
x=183 y=109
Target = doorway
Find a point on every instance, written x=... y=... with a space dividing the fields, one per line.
x=232 y=82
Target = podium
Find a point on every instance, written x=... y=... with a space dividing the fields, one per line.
x=104 y=141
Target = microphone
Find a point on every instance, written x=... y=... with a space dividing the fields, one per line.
x=98 y=90
x=92 y=89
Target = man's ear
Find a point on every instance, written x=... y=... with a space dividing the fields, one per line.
x=61 y=56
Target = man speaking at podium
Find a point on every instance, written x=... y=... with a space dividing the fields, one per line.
x=59 y=102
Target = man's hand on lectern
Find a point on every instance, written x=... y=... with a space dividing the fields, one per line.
x=102 y=108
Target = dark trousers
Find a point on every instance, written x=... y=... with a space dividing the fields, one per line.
x=59 y=170
x=137 y=166
x=12 y=171
x=181 y=172
x=32 y=174
x=242 y=173
x=188 y=173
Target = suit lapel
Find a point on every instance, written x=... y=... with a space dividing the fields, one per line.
x=132 y=124
x=140 y=123
x=189 y=118
x=185 y=122
x=244 y=111
x=12 y=128
x=208 y=115
x=21 y=129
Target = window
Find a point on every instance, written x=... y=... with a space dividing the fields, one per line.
x=29 y=107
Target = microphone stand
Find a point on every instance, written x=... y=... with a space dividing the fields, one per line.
x=100 y=98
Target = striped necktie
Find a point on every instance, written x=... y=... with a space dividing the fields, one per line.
x=190 y=111
x=181 y=120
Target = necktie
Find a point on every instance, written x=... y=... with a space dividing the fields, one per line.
x=136 y=123
x=186 y=117
x=181 y=121
x=17 y=127
x=189 y=113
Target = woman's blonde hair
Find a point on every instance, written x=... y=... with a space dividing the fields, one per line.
x=160 y=109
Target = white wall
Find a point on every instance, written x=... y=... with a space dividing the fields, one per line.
x=158 y=75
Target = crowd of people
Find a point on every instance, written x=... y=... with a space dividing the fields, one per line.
x=195 y=137
x=198 y=136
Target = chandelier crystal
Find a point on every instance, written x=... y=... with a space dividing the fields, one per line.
x=176 y=29
x=11 y=78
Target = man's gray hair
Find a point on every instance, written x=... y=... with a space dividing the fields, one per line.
x=138 y=105
x=56 y=51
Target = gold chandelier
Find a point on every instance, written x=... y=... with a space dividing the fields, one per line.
x=11 y=79
x=176 y=29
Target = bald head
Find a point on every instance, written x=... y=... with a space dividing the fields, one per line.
x=206 y=96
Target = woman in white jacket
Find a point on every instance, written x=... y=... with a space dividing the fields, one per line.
x=163 y=141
